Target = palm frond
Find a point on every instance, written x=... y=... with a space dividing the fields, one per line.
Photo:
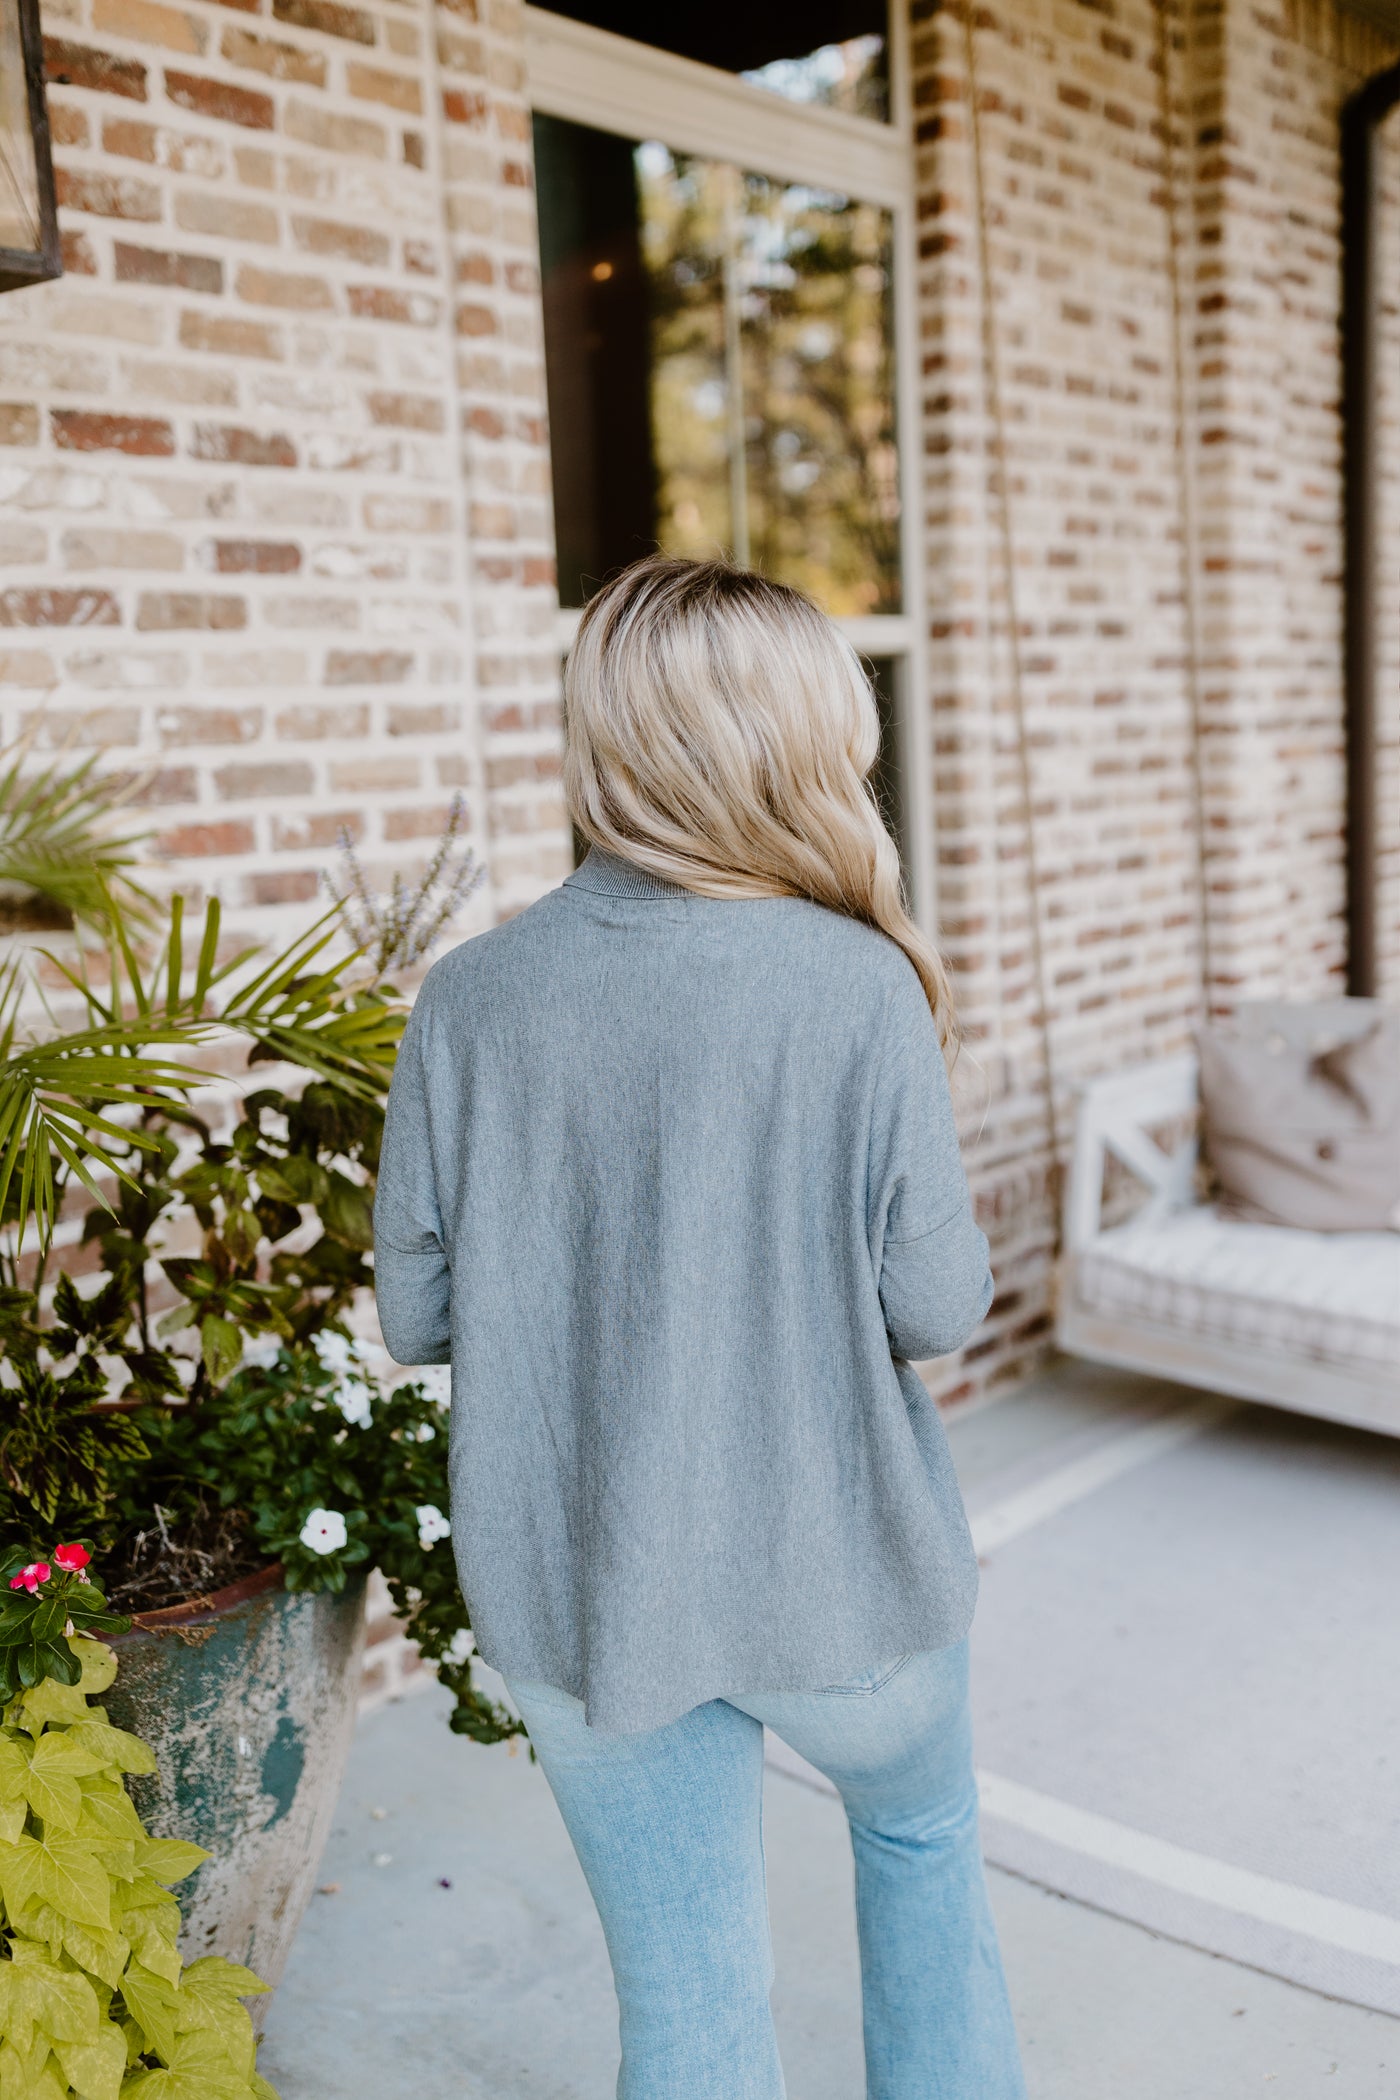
x=57 y=848
x=76 y=1099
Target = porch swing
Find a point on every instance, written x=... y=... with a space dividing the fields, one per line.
x=1301 y=1319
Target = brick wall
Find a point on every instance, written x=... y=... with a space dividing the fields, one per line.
x=1077 y=188
x=1388 y=913
x=241 y=543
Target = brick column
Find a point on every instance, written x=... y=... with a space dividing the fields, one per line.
x=1078 y=238
x=489 y=207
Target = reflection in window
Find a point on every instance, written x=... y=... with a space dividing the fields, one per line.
x=832 y=52
x=720 y=368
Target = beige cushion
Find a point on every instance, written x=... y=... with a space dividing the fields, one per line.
x=1304 y=1138
x=1300 y=1294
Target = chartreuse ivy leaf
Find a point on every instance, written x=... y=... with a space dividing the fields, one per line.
x=56 y=1765
x=12 y=1820
x=103 y=1954
x=155 y=1946
x=94 y=2068
x=211 y=1994
x=113 y=1746
x=169 y=1859
x=198 y=2069
x=29 y=2074
x=153 y=2005
x=35 y=1993
x=58 y=1870
x=14 y=1768
x=109 y=1814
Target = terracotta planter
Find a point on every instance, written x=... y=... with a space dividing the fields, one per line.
x=248 y=1699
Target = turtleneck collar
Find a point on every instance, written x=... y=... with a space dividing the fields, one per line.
x=612 y=877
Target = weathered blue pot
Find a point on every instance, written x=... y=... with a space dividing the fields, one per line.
x=248 y=1699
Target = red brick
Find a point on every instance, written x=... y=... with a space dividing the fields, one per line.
x=373 y=302
x=190 y=273
x=210 y=725
x=79 y=65
x=243 y=448
x=291 y=886
x=252 y=782
x=476 y=320
x=84 y=430
x=361 y=244
x=466 y=106
x=407 y=411
x=415 y=823
x=229 y=336
x=256 y=557
x=271 y=56
x=130 y=138
x=327 y=16
x=67 y=126
x=296 y=834
x=297 y=725
x=368 y=667
x=41 y=608
x=170 y=784
x=196 y=841
x=19 y=423
x=164 y=611
x=77 y=253
x=106 y=196
x=221 y=99
x=435 y=718
x=299 y=294
x=415 y=149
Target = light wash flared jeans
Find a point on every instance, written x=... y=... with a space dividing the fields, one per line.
x=668 y=1826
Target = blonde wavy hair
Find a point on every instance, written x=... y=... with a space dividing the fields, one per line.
x=719 y=732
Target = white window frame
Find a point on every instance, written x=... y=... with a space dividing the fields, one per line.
x=590 y=76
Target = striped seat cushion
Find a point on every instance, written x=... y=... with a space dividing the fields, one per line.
x=1332 y=1296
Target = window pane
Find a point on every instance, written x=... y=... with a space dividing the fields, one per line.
x=818 y=385
x=886 y=776
x=19 y=178
x=832 y=52
x=719 y=357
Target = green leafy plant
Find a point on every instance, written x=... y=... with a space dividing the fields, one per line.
x=193 y=1402
x=95 y=2001
x=59 y=860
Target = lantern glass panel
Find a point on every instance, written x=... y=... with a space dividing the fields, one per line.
x=20 y=219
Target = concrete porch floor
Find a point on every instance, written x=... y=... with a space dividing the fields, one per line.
x=459 y=1953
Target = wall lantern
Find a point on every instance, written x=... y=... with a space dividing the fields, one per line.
x=28 y=221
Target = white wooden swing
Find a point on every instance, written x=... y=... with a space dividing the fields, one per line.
x=1303 y=1320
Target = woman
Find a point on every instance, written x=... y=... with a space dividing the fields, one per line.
x=670 y=1178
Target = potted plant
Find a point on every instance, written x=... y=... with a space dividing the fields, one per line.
x=95 y=2000
x=181 y=1253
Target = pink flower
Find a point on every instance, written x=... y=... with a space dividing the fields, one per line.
x=29 y=1578
x=71 y=1558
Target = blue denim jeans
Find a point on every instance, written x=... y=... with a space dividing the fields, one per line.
x=668 y=1827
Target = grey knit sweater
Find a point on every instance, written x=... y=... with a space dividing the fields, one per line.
x=673 y=1184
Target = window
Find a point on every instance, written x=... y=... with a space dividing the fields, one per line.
x=725 y=317
x=831 y=52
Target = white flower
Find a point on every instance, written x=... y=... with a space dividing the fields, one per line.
x=262 y=1351
x=425 y=1433
x=462 y=1645
x=324 y=1531
x=353 y=1398
x=436 y=1382
x=336 y=1351
x=432 y=1525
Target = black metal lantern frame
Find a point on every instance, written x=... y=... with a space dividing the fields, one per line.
x=29 y=250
